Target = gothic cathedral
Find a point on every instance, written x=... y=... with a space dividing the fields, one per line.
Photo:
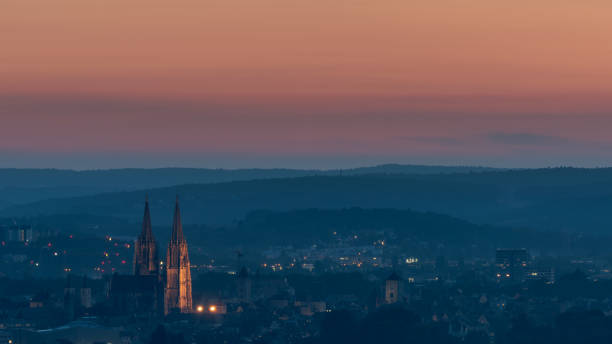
x=177 y=274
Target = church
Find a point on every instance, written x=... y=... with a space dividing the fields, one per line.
x=155 y=287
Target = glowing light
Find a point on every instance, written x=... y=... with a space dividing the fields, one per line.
x=212 y=309
x=200 y=309
x=412 y=260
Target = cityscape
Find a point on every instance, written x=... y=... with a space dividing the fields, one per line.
x=359 y=278
x=305 y=172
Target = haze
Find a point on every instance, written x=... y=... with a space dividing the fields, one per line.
x=233 y=83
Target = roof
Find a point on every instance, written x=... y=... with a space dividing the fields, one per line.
x=394 y=277
x=134 y=284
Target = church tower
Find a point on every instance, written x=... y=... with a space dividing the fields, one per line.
x=178 y=275
x=392 y=288
x=146 y=262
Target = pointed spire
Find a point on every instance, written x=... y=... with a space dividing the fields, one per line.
x=177 y=226
x=147 y=230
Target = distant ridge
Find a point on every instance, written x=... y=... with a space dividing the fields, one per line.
x=18 y=186
x=564 y=199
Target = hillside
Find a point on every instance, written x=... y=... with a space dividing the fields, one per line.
x=548 y=199
x=18 y=186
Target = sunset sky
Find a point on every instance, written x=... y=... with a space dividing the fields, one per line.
x=296 y=83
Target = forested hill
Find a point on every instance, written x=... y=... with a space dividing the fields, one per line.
x=548 y=199
x=29 y=185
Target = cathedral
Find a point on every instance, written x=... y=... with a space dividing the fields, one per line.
x=175 y=278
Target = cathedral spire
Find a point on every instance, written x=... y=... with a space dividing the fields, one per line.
x=177 y=295
x=145 y=248
x=147 y=230
x=177 y=225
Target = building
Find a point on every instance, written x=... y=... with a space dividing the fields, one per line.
x=143 y=291
x=77 y=296
x=392 y=288
x=17 y=234
x=131 y=294
x=244 y=285
x=541 y=272
x=146 y=262
x=512 y=264
x=177 y=295
x=85 y=294
x=82 y=331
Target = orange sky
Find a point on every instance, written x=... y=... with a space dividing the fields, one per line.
x=296 y=77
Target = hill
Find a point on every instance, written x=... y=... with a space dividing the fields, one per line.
x=18 y=186
x=548 y=199
x=412 y=230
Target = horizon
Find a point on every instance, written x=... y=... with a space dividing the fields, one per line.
x=323 y=169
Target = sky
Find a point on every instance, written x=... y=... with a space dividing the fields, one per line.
x=305 y=84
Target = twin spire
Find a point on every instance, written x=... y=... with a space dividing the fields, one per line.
x=146 y=261
x=177 y=274
x=177 y=225
x=145 y=248
x=147 y=228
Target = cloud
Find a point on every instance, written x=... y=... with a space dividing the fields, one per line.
x=524 y=138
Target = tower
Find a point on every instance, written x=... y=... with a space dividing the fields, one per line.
x=178 y=275
x=146 y=262
x=244 y=285
x=392 y=289
x=70 y=302
x=85 y=294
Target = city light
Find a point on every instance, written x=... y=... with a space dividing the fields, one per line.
x=412 y=260
x=200 y=309
x=212 y=308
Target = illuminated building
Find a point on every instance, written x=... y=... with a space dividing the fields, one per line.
x=178 y=275
x=392 y=288
x=512 y=264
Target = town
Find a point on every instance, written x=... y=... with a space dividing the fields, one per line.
x=59 y=287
